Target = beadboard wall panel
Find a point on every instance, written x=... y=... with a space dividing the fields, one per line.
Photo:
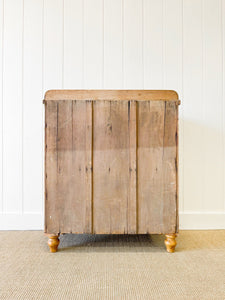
x=153 y=67
x=1 y=103
x=93 y=44
x=53 y=44
x=193 y=105
x=12 y=102
x=32 y=107
x=132 y=44
x=113 y=44
x=212 y=106
x=72 y=49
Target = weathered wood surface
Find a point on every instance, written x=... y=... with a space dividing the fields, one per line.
x=81 y=209
x=140 y=95
x=111 y=166
x=157 y=186
x=132 y=192
x=51 y=171
x=68 y=168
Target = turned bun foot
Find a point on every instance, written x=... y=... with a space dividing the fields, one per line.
x=170 y=242
x=53 y=243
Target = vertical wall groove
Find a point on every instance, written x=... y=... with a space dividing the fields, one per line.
x=43 y=108
x=142 y=40
x=181 y=120
x=202 y=97
x=22 y=114
x=1 y=106
x=223 y=85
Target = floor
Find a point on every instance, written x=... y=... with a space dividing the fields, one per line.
x=112 y=267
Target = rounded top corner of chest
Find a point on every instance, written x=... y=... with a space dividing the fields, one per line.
x=174 y=95
x=50 y=94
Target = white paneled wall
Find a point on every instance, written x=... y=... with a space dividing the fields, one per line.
x=112 y=44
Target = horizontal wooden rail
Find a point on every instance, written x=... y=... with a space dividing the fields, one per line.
x=141 y=95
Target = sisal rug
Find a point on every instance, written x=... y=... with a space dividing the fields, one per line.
x=112 y=267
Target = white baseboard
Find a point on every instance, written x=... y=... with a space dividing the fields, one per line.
x=26 y=221
x=188 y=220
x=202 y=220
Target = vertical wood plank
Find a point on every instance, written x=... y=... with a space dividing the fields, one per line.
x=157 y=180
x=53 y=44
x=93 y=44
x=193 y=97
x=82 y=143
x=153 y=44
x=110 y=167
x=12 y=106
x=89 y=167
x=132 y=47
x=151 y=117
x=51 y=168
x=32 y=108
x=73 y=44
x=113 y=44
x=212 y=114
x=65 y=193
x=133 y=175
x=169 y=164
x=69 y=166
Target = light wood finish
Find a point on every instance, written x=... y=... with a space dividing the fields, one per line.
x=68 y=167
x=64 y=165
x=51 y=168
x=111 y=166
x=157 y=182
x=132 y=192
x=81 y=208
x=150 y=166
x=53 y=243
x=170 y=242
x=140 y=95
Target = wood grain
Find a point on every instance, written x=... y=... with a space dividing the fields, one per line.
x=132 y=193
x=81 y=209
x=169 y=186
x=170 y=242
x=69 y=166
x=53 y=243
x=140 y=95
x=110 y=166
x=150 y=168
x=51 y=192
x=64 y=167
x=157 y=181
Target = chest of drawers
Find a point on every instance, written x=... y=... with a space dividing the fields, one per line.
x=111 y=161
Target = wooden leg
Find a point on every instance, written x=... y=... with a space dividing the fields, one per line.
x=170 y=242
x=53 y=243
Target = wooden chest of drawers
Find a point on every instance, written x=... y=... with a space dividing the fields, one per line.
x=111 y=162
